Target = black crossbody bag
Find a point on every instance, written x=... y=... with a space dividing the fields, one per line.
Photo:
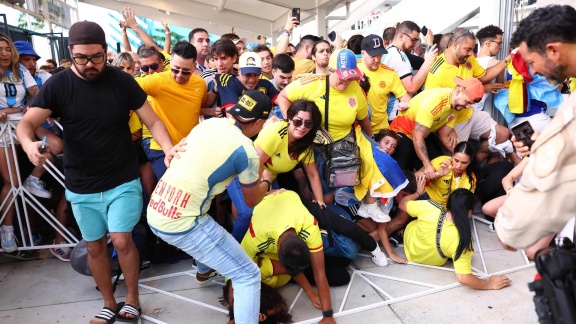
x=343 y=161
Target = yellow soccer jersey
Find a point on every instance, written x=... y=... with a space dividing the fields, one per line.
x=382 y=82
x=439 y=189
x=420 y=238
x=267 y=271
x=441 y=75
x=345 y=106
x=134 y=122
x=273 y=140
x=177 y=105
x=303 y=65
x=272 y=217
x=430 y=108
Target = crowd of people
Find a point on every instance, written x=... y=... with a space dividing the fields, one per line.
x=236 y=157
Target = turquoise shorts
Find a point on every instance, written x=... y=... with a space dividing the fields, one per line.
x=116 y=210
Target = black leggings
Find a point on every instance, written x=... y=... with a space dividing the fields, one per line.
x=329 y=220
x=335 y=269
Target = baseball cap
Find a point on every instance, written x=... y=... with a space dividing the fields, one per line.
x=473 y=88
x=294 y=255
x=25 y=48
x=86 y=32
x=373 y=45
x=250 y=62
x=251 y=106
x=343 y=62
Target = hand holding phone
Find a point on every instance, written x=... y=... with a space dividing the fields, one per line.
x=424 y=30
x=523 y=133
x=43 y=145
x=296 y=14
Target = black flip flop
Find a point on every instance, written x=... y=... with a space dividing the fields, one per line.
x=107 y=314
x=128 y=309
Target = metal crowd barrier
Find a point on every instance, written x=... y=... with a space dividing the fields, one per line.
x=21 y=217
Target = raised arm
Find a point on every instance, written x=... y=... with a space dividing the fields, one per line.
x=284 y=40
x=125 y=41
x=130 y=22
x=415 y=82
x=168 y=39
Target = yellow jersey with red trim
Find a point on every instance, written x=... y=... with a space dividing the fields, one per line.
x=430 y=108
x=273 y=140
x=420 y=238
x=440 y=188
x=383 y=81
x=345 y=107
x=274 y=215
x=442 y=73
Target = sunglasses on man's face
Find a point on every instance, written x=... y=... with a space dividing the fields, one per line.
x=299 y=122
x=184 y=72
x=153 y=66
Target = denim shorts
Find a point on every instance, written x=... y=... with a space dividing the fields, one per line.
x=116 y=210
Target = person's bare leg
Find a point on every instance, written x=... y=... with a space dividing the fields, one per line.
x=100 y=267
x=62 y=216
x=148 y=178
x=542 y=243
x=6 y=188
x=490 y=208
x=129 y=260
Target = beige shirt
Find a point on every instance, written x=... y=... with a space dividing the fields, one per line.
x=545 y=199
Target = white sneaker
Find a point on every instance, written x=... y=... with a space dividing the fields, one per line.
x=374 y=212
x=8 y=241
x=36 y=187
x=491 y=228
x=62 y=253
x=378 y=257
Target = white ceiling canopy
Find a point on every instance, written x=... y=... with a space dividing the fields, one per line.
x=248 y=17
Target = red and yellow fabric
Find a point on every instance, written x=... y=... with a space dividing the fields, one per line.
x=518 y=94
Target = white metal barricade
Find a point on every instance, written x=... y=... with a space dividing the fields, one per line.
x=21 y=216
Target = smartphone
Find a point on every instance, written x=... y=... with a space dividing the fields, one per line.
x=296 y=13
x=523 y=133
x=43 y=146
x=424 y=30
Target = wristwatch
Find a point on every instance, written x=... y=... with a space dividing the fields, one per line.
x=328 y=313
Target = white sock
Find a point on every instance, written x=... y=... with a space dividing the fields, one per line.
x=31 y=177
x=8 y=228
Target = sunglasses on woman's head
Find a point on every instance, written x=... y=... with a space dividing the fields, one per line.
x=153 y=66
x=299 y=122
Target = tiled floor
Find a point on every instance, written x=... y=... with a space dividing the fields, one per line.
x=49 y=291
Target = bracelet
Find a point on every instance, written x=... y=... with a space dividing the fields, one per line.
x=506 y=61
x=309 y=290
x=287 y=34
x=269 y=184
x=168 y=32
x=418 y=194
x=328 y=313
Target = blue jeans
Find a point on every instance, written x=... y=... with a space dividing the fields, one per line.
x=214 y=248
x=156 y=157
x=242 y=222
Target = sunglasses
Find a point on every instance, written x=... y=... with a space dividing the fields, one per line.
x=299 y=122
x=461 y=35
x=153 y=66
x=184 y=72
x=83 y=60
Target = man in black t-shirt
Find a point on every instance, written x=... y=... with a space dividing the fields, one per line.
x=93 y=102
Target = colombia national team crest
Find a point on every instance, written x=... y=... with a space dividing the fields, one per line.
x=468 y=65
x=352 y=102
x=382 y=84
x=450 y=117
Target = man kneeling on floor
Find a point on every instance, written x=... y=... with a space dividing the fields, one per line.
x=178 y=208
x=286 y=244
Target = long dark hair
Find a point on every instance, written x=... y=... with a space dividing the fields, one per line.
x=269 y=299
x=301 y=145
x=468 y=149
x=460 y=203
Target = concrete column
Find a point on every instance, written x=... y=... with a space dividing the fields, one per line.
x=321 y=23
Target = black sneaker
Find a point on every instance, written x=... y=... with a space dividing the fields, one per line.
x=395 y=239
